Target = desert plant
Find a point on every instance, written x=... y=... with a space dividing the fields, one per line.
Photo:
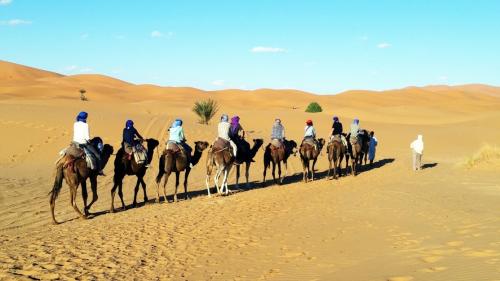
x=487 y=154
x=314 y=107
x=205 y=110
x=82 y=95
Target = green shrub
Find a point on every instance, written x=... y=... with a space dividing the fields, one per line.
x=205 y=110
x=314 y=107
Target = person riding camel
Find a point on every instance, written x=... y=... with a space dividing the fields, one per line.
x=177 y=136
x=278 y=133
x=354 y=131
x=81 y=138
x=131 y=138
x=237 y=135
x=337 y=131
x=223 y=132
x=310 y=133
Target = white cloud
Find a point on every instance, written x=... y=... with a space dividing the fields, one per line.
x=76 y=68
x=5 y=2
x=85 y=69
x=71 y=67
x=261 y=49
x=218 y=83
x=156 y=34
x=15 y=22
x=443 y=78
x=384 y=45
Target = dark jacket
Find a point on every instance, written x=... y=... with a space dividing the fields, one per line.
x=337 y=128
x=130 y=134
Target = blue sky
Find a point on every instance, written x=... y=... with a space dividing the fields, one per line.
x=318 y=46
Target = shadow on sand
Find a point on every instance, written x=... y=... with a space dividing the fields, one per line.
x=290 y=179
x=429 y=165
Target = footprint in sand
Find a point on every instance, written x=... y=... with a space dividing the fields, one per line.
x=400 y=278
x=435 y=269
x=431 y=259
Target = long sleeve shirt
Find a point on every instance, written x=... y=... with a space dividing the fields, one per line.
x=310 y=132
x=223 y=130
x=176 y=134
x=81 y=132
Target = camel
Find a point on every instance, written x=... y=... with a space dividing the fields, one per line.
x=75 y=172
x=336 y=151
x=307 y=153
x=247 y=157
x=354 y=148
x=174 y=160
x=124 y=167
x=365 y=145
x=220 y=156
x=275 y=155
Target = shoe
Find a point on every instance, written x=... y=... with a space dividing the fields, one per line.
x=147 y=165
x=191 y=165
x=101 y=173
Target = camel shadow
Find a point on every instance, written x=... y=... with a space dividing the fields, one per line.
x=429 y=165
x=376 y=165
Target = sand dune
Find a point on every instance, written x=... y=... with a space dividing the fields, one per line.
x=388 y=223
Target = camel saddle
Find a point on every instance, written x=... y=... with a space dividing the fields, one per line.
x=221 y=144
x=309 y=141
x=276 y=144
x=175 y=148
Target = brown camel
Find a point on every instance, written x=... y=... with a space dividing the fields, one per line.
x=365 y=145
x=75 y=172
x=354 y=148
x=336 y=151
x=220 y=156
x=174 y=160
x=247 y=156
x=125 y=166
x=276 y=155
x=310 y=152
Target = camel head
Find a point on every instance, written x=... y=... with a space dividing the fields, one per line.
x=151 y=144
x=258 y=142
x=293 y=145
x=200 y=145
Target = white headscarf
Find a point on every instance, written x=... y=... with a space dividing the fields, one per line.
x=418 y=145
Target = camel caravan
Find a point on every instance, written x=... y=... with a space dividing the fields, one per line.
x=86 y=158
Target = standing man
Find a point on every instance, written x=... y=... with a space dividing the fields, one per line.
x=372 y=148
x=417 y=148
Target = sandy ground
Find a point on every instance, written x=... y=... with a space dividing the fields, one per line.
x=388 y=223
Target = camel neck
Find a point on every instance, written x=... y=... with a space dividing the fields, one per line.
x=196 y=157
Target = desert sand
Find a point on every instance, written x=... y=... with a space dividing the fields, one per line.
x=388 y=223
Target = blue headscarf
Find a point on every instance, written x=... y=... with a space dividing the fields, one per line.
x=224 y=118
x=356 y=121
x=177 y=123
x=129 y=124
x=82 y=117
x=335 y=119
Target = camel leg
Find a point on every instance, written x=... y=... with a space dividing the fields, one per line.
x=143 y=184
x=177 y=174
x=247 y=174
x=207 y=183
x=237 y=176
x=186 y=176
x=224 y=181
x=158 y=182
x=216 y=180
x=279 y=172
x=93 y=187
x=286 y=171
x=304 y=169
x=113 y=191
x=136 y=190
x=274 y=172
x=84 y=196
x=120 y=193
x=73 y=201
x=266 y=165
x=314 y=164
x=167 y=175
x=329 y=168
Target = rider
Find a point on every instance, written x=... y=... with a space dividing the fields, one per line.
x=354 y=130
x=177 y=136
x=131 y=138
x=237 y=134
x=310 y=133
x=223 y=132
x=81 y=137
x=278 y=132
x=337 y=130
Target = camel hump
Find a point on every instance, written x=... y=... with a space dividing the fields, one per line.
x=221 y=144
x=276 y=144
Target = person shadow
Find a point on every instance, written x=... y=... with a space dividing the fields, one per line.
x=429 y=165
